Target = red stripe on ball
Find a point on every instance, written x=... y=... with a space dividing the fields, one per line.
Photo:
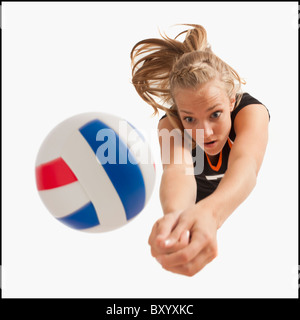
x=53 y=174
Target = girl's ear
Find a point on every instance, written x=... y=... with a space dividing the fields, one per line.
x=232 y=103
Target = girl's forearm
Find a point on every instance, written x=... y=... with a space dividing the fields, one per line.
x=237 y=183
x=177 y=190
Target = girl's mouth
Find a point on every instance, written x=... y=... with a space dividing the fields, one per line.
x=210 y=144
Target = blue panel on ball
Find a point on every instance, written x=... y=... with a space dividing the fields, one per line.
x=83 y=218
x=125 y=176
x=139 y=133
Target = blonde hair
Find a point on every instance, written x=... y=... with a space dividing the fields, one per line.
x=159 y=66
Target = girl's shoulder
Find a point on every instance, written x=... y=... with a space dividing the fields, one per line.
x=245 y=100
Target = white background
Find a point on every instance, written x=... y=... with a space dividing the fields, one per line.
x=61 y=59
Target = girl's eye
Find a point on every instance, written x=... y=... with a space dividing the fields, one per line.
x=189 y=119
x=216 y=114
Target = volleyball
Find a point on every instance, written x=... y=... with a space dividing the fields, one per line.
x=94 y=172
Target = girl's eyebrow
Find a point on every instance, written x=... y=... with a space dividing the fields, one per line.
x=209 y=109
x=187 y=112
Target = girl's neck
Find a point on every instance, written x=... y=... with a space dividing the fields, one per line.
x=214 y=159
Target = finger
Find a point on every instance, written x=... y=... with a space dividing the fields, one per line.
x=183 y=242
x=185 y=237
x=162 y=229
x=178 y=232
x=172 y=245
x=185 y=255
x=194 y=266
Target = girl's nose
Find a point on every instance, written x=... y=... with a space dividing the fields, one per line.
x=208 y=131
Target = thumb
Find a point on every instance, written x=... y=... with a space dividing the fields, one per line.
x=185 y=237
x=180 y=233
x=165 y=227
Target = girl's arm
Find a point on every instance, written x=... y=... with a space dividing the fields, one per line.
x=246 y=156
x=177 y=189
x=204 y=218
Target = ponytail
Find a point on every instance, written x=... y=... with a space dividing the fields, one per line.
x=160 y=65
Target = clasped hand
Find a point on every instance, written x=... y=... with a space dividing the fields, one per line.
x=184 y=242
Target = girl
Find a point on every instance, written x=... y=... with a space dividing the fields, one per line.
x=204 y=93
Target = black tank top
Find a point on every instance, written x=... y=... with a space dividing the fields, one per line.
x=209 y=179
x=211 y=175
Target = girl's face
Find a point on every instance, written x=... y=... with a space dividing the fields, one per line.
x=206 y=107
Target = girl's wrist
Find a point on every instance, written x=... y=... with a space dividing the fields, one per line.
x=209 y=205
